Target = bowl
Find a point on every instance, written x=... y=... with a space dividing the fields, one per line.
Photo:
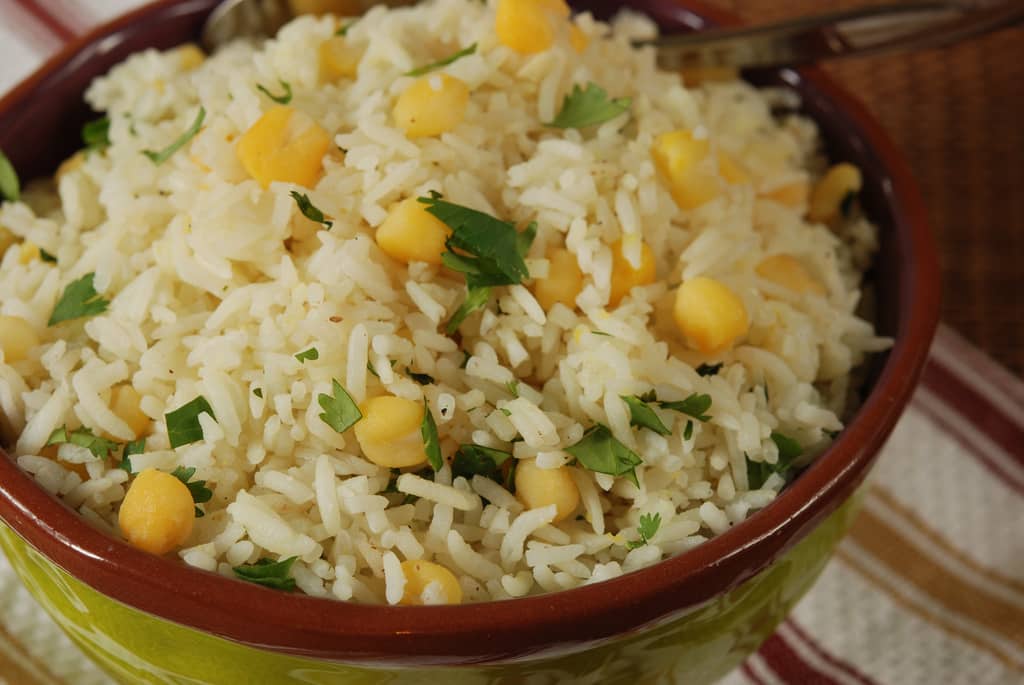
x=692 y=617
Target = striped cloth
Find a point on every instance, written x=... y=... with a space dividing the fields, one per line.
x=928 y=588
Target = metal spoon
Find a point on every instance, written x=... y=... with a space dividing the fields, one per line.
x=865 y=31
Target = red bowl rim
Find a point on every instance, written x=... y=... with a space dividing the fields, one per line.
x=475 y=633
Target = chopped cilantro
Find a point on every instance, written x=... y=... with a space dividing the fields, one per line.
x=648 y=528
x=96 y=134
x=465 y=359
x=268 y=573
x=688 y=431
x=101 y=448
x=79 y=300
x=709 y=369
x=431 y=442
x=759 y=471
x=510 y=476
x=421 y=378
x=183 y=427
x=695 y=405
x=506 y=412
x=343 y=30
x=200 y=493
x=789 y=449
x=10 y=187
x=596 y=332
x=513 y=388
x=476 y=298
x=46 y=256
x=640 y=414
x=340 y=410
x=477 y=460
x=258 y=392
x=442 y=62
x=282 y=99
x=369 y=367
x=165 y=154
x=586 y=107
x=309 y=210
x=131 y=449
x=599 y=451
x=312 y=354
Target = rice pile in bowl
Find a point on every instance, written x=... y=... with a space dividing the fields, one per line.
x=227 y=328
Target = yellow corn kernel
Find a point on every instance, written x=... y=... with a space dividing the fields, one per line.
x=529 y=26
x=29 y=252
x=389 y=432
x=709 y=315
x=678 y=156
x=731 y=170
x=6 y=240
x=697 y=76
x=421 y=575
x=126 y=403
x=338 y=59
x=412 y=234
x=432 y=105
x=73 y=162
x=284 y=145
x=190 y=56
x=537 y=487
x=830 y=191
x=344 y=8
x=625 y=277
x=563 y=283
x=792 y=195
x=157 y=513
x=786 y=271
x=577 y=38
x=17 y=338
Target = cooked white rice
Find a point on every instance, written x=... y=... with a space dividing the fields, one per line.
x=216 y=283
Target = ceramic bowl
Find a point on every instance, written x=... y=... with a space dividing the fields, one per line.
x=690 y=618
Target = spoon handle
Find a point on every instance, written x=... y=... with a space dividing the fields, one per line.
x=864 y=31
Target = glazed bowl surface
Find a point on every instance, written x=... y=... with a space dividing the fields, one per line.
x=691 y=618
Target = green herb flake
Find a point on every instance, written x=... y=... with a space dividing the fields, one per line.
x=343 y=30
x=709 y=369
x=10 y=187
x=589 y=106
x=309 y=210
x=312 y=354
x=268 y=573
x=647 y=529
x=162 y=156
x=369 y=367
x=477 y=460
x=96 y=134
x=258 y=392
x=513 y=388
x=282 y=99
x=79 y=300
x=431 y=441
x=421 y=378
x=476 y=298
x=465 y=359
x=695 y=405
x=758 y=472
x=46 y=256
x=130 y=450
x=200 y=493
x=789 y=449
x=443 y=62
x=688 y=431
x=599 y=451
x=100 y=448
x=641 y=414
x=340 y=410
x=183 y=427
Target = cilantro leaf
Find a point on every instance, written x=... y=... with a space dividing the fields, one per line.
x=789 y=449
x=309 y=210
x=640 y=414
x=131 y=449
x=421 y=378
x=599 y=451
x=340 y=410
x=431 y=441
x=312 y=354
x=183 y=427
x=258 y=392
x=46 y=256
x=513 y=388
x=369 y=367
x=79 y=300
x=197 y=488
x=343 y=30
x=268 y=573
x=695 y=405
x=648 y=528
x=586 y=107
x=96 y=134
x=709 y=369
x=477 y=460
x=476 y=298
x=442 y=62
x=10 y=187
x=282 y=99
x=688 y=431
x=162 y=156
x=101 y=448
x=759 y=471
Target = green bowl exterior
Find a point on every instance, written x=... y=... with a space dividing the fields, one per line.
x=700 y=646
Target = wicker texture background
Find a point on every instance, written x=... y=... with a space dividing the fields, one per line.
x=958 y=115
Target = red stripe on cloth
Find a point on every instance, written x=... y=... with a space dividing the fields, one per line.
x=840 y=665
x=48 y=19
x=975 y=407
x=987 y=371
x=788 y=665
x=750 y=675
